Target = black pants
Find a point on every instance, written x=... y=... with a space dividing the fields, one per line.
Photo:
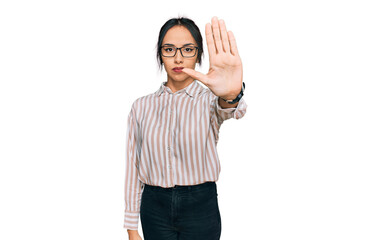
x=181 y=212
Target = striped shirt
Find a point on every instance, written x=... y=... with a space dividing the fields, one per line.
x=171 y=140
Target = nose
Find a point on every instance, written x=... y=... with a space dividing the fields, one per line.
x=178 y=56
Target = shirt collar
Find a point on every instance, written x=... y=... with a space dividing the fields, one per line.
x=192 y=89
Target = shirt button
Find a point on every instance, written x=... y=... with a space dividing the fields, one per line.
x=168 y=148
x=169 y=166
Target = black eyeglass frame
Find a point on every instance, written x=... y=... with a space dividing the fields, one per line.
x=176 y=50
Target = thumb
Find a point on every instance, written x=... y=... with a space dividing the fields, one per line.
x=196 y=75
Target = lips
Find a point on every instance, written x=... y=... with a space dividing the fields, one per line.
x=178 y=69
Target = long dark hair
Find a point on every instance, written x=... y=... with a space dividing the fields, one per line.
x=180 y=21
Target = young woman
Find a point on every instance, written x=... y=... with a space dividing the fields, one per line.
x=172 y=163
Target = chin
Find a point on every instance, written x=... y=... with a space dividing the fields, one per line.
x=179 y=78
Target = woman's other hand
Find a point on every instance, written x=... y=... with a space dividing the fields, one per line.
x=134 y=235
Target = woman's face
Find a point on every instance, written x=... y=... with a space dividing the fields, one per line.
x=178 y=36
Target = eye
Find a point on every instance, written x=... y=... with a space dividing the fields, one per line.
x=188 y=49
x=168 y=49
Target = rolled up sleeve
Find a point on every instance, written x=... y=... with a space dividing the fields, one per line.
x=223 y=114
x=218 y=114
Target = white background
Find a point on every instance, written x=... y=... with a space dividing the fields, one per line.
x=296 y=166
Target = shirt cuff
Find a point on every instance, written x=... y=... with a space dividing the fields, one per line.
x=235 y=112
x=131 y=220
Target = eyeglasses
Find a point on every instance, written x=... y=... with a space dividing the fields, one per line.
x=186 y=51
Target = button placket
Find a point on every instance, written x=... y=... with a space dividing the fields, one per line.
x=170 y=138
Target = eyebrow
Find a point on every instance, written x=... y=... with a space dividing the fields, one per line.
x=168 y=44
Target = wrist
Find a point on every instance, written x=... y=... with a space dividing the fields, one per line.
x=231 y=99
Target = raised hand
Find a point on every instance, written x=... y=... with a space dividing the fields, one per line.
x=224 y=78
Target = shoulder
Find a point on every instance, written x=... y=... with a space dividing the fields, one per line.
x=141 y=102
x=208 y=95
x=202 y=91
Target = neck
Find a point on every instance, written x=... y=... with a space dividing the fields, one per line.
x=178 y=85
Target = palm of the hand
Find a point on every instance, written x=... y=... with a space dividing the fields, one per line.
x=224 y=78
x=225 y=75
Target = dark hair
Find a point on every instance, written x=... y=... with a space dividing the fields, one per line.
x=180 y=21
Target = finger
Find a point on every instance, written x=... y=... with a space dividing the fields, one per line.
x=225 y=40
x=216 y=34
x=209 y=39
x=232 y=41
x=196 y=75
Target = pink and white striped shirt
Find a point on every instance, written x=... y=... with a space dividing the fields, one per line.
x=171 y=140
